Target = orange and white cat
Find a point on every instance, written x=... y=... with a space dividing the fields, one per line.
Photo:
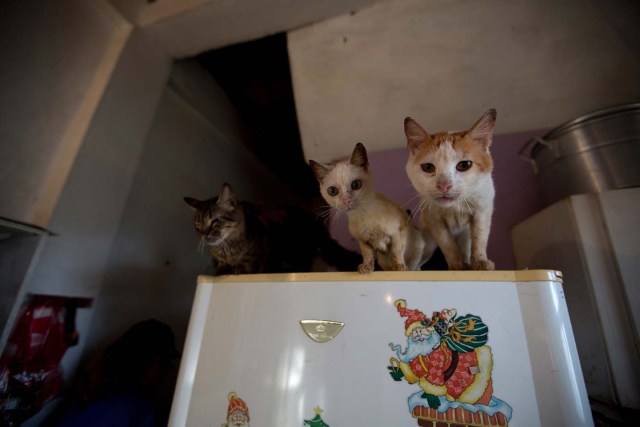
x=383 y=229
x=451 y=171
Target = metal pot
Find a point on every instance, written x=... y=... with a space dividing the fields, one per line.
x=596 y=152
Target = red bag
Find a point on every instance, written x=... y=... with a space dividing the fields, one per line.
x=30 y=375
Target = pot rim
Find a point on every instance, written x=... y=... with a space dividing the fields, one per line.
x=590 y=117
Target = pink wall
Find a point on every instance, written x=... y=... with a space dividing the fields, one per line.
x=518 y=193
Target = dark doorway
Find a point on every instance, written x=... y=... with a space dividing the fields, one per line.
x=257 y=79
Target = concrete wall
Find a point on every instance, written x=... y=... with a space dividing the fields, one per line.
x=57 y=58
x=444 y=63
x=88 y=212
x=89 y=209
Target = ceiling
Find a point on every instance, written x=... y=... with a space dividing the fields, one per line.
x=186 y=28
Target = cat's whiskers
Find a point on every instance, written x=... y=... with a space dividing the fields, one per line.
x=415 y=209
x=415 y=197
x=466 y=202
x=201 y=244
x=323 y=210
x=327 y=213
x=225 y=246
x=337 y=213
x=425 y=204
x=329 y=217
x=413 y=213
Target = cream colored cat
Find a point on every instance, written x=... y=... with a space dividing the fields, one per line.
x=452 y=174
x=383 y=229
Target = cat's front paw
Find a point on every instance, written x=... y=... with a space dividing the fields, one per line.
x=482 y=264
x=458 y=265
x=365 y=268
x=399 y=267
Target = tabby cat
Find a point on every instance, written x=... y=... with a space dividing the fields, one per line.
x=383 y=229
x=244 y=239
x=452 y=174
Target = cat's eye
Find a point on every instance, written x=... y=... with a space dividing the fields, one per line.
x=332 y=191
x=217 y=219
x=356 y=184
x=428 y=167
x=464 y=165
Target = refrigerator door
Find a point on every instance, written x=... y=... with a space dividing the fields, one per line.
x=466 y=348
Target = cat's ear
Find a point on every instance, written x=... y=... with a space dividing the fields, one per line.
x=416 y=135
x=227 y=198
x=359 y=157
x=482 y=130
x=194 y=203
x=318 y=170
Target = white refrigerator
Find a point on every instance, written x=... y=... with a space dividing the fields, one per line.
x=384 y=349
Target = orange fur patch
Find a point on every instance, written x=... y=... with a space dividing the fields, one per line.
x=473 y=150
x=470 y=149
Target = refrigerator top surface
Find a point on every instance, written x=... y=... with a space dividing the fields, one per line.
x=394 y=276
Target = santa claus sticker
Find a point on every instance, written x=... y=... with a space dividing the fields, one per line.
x=448 y=360
x=237 y=412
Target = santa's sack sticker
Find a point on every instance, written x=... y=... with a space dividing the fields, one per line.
x=449 y=363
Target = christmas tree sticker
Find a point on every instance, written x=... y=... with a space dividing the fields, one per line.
x=317 y=420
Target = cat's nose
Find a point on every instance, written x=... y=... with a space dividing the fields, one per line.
x=444 y=186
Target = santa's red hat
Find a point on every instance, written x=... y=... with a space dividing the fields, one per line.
x=415 y=318
x=237 y=404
